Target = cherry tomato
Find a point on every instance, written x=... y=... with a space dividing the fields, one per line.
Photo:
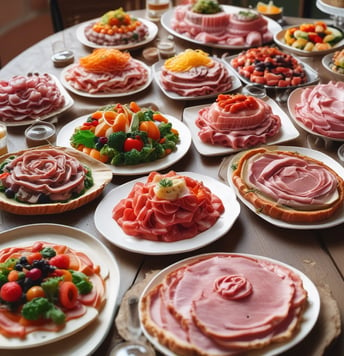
x=11 y=292
x=133 y=143
x=60 y=261
x=35 y=292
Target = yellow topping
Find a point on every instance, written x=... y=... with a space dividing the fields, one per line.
x=269 y=8
x=170 y=188
x=188 y=59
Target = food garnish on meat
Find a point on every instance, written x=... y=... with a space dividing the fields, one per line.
x=44 y=176
x=287 y=185
x=29 y=97
x=107 y=70
x=237 y=121
x=195 y=73
x=116 y=27
x=126 y=135
x=224 y=304
x=168 y=207
x=44 y=285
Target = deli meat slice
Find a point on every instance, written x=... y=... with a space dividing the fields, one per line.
x=321 y=109
x=288 y=186
x=43 y=175
x=167 y=208
x=29 y=97
x=237 y=121
x=224 y=304
x=133 y=76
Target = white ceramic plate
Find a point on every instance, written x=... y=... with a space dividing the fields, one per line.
x=190 y=114
x=66 y=132
x=152 y=32
x=336 y=219
x=279 y=40
x=68 y=103
x=309 y=319
x=312 y=76
x=114 y=233
x=294 y=98
x=236 y=84
x=106 y=95
x=167 y=17
x=77 y=339
x=326 y=62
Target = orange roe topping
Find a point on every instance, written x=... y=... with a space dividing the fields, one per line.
x=237 y=102
x=188 y=59
x=105 y=60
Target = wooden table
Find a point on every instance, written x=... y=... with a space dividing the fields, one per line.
x=317 y=253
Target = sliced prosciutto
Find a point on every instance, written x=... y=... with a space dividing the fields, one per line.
x=321 y=109
x=194 y=73
x=107 y=71
x=43 y=176
x=237 y=121
x=168 y=207
x=29 y=97
x=224 y=304
x=288 y=186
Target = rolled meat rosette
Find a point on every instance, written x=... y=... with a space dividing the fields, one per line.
x=288 y=186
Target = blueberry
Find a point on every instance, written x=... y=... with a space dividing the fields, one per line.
x=10 y=193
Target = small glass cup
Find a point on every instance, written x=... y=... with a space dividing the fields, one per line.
x=3 y=139
x=40 y=133
x=62 y=56
x=156 y=8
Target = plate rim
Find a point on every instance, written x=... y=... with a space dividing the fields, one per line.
x=144 y=168
x=167 y=16
x=335 y=220
x=203 y=147
x=106 y=95
x=24 y=234
x=314 y=304
x=152 y=33
x=232 y=211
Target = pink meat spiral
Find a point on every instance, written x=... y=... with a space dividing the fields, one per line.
x=51 y=173
x=321 y=109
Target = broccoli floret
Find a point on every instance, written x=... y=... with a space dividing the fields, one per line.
x=82 y=282
x=50 y=287
x=132 y=157
x=165 y=128
x=41 y=308
x=116 y=140
x=48 y=252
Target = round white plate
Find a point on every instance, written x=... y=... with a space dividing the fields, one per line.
x=294 y=98
x=236 y=84
x=152 y=32
x=326 y=62
x=68 y=103
x=106 y=95
x=109 y=228
x=309 y=318
x=190 y=114
x=66 y=132
x=167 y=17
x=74 y=339
x=279 y=40
x=312 y=76
x=336 y=219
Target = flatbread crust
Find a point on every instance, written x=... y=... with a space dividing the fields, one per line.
x=272 y=208
x=102 y=175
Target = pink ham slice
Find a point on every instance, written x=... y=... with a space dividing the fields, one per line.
x=143 y=215
x=224 y=304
